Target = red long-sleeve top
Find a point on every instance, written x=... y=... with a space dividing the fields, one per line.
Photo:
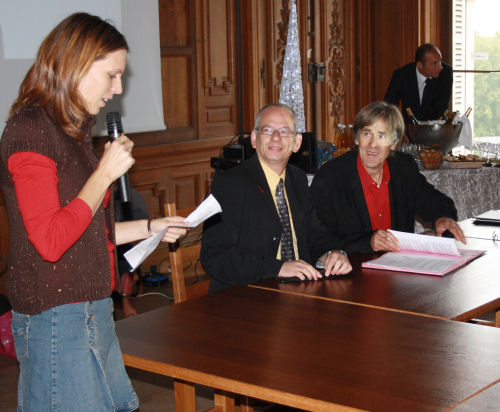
x=51 y=229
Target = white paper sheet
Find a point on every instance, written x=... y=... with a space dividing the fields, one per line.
x=424 y=243
x=417 y=263
x=209 y=207
x=135 y=256
x=142 y=250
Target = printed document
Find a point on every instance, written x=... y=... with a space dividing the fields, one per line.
x=135 y=256
x=430 y=255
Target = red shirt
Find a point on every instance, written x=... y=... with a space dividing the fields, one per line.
x=51 y=229
x=376 y=196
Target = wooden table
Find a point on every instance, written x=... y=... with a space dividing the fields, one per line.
x=487 y=399
x=463 y=294
x=312 y=354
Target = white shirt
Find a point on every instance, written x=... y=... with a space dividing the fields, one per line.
x=421 y=83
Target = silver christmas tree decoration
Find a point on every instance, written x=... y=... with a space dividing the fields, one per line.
x=291 y=92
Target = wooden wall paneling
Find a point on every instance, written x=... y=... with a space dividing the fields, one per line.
x=280 y=16
x=253 y=63
x=153 y=185
x=178 y=68
x=395 y=34
x=360 y=76
x=351 y=102
x=323 y=48
x=216 y=66
x=177 y=92
x=435 y=25
x=336 y=64
x=445 y=36
x=306 y=47
x=191 y=186
x=316 y=108
x=179 y=172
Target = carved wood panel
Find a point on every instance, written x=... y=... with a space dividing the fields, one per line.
x=178 y=69
x=336 y=67
x=216 y=68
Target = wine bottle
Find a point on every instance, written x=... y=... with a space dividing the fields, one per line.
x=411 y=116
x=444 y=116
x=345 y=142
x=450 y=118
x=467 y=112
x=338 y=135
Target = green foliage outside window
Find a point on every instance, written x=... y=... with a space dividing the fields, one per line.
x=487 y=88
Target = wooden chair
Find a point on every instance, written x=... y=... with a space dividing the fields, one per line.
x=180 y=256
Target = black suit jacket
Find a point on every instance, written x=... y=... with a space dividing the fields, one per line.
x=340 y=203
x=239 y=245
x=404 y=87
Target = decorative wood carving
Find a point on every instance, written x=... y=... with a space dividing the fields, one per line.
x=336 y=62
x=214 y=89
x=281 y=41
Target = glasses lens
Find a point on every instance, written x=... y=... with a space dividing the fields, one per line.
x=284 y=132
x=269 y=131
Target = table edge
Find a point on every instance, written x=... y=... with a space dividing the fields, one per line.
x=233 y=386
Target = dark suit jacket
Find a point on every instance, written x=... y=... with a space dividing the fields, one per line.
x=340 y=203
x=404 y=87
x=239 y=245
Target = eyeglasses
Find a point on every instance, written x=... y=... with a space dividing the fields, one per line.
x=284 y=132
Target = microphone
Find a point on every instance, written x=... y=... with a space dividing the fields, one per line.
x=115 y=130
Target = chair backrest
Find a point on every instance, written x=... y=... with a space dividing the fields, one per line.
x=179 y=257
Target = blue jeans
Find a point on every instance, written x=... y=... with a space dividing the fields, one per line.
x=70 y=360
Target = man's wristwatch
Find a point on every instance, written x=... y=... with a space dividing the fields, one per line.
x=338 y=250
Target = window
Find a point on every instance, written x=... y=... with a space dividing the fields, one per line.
x=476 y=62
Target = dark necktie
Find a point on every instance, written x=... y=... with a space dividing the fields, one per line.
x=287 y=252
x=426 y=93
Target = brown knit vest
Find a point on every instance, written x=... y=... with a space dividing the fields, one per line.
x=83 y=272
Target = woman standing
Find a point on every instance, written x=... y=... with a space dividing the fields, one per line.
x=62 y=259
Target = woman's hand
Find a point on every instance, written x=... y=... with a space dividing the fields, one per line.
x=115 y=161
x=173 y=233
x=117 y=158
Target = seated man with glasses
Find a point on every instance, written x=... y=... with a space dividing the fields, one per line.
x=267 y=228
x=361 y=194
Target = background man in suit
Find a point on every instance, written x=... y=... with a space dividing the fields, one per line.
x=263 y=232
x=424 y=85
x=361 y=194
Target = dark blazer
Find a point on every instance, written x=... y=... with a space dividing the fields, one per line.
x=404 y=87
x=340 y=203
x=239 y=245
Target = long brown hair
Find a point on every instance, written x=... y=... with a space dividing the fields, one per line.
x=64 y=58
